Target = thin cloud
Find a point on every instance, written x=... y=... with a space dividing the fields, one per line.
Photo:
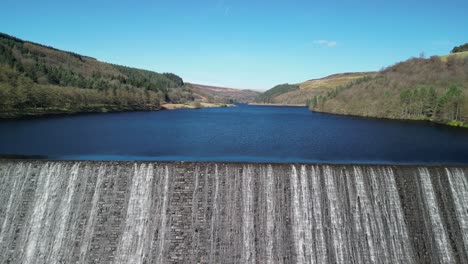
x=324 y=42
x=227 y=10
x=224 y=7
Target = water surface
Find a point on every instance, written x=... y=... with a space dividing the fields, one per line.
x=242 y=133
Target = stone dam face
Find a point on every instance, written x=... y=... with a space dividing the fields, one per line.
x=147 y=212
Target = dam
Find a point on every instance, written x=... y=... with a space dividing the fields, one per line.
x=178 y=212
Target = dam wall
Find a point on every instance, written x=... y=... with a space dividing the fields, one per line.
x=151 y=212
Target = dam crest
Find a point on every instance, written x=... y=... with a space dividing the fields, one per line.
x=153 y=212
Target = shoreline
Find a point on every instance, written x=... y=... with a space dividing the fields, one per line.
x=52 y=112
x=451 y=123
x=57 y=112
x=170 y=106
x=264 y=104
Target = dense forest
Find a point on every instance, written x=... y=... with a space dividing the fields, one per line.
x=36 y=79
x=268 y=96
x=419 y=89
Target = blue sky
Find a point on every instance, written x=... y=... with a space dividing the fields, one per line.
x=243 y=44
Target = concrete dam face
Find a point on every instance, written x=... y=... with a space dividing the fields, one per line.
x=146 y=212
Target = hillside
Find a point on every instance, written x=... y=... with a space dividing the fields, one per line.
x=303 y=92
x=210 y=94
x=461 y=54
x=37 y=79
x=311 y=88
x=269 y=96
x=424 y=89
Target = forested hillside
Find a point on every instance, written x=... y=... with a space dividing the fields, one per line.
x=425 y=89
x=36 y=79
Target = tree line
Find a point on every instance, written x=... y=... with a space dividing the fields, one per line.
x=424 y=101
x=460 y=48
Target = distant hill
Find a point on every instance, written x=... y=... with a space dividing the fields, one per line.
x=424 y=89
x=302 y=93
x=36 y=79
x=210 y=94
x=269 y=96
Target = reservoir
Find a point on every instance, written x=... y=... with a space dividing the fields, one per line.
x=236 y=134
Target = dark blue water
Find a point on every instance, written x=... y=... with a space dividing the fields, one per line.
x=242 y=133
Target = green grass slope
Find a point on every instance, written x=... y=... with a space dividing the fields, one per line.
x=302 y=93
x=421 y=89
x=269 y=96
x=316 y=87
x=460 y=55
x=36 y=79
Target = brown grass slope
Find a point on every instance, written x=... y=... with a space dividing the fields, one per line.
x=210 y=94
x=432 y=89
x=316 y=87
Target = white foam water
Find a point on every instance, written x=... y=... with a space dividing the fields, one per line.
x=438 y=229
x=144 y=212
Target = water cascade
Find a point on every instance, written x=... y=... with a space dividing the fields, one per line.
x=150 y=212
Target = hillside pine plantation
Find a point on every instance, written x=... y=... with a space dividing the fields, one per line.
x=37 y=79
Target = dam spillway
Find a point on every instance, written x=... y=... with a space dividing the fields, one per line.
x=152 y=212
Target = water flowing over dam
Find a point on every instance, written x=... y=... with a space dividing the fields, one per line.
x=150 y=212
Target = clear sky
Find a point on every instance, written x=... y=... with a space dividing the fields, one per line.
x=244 y=43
